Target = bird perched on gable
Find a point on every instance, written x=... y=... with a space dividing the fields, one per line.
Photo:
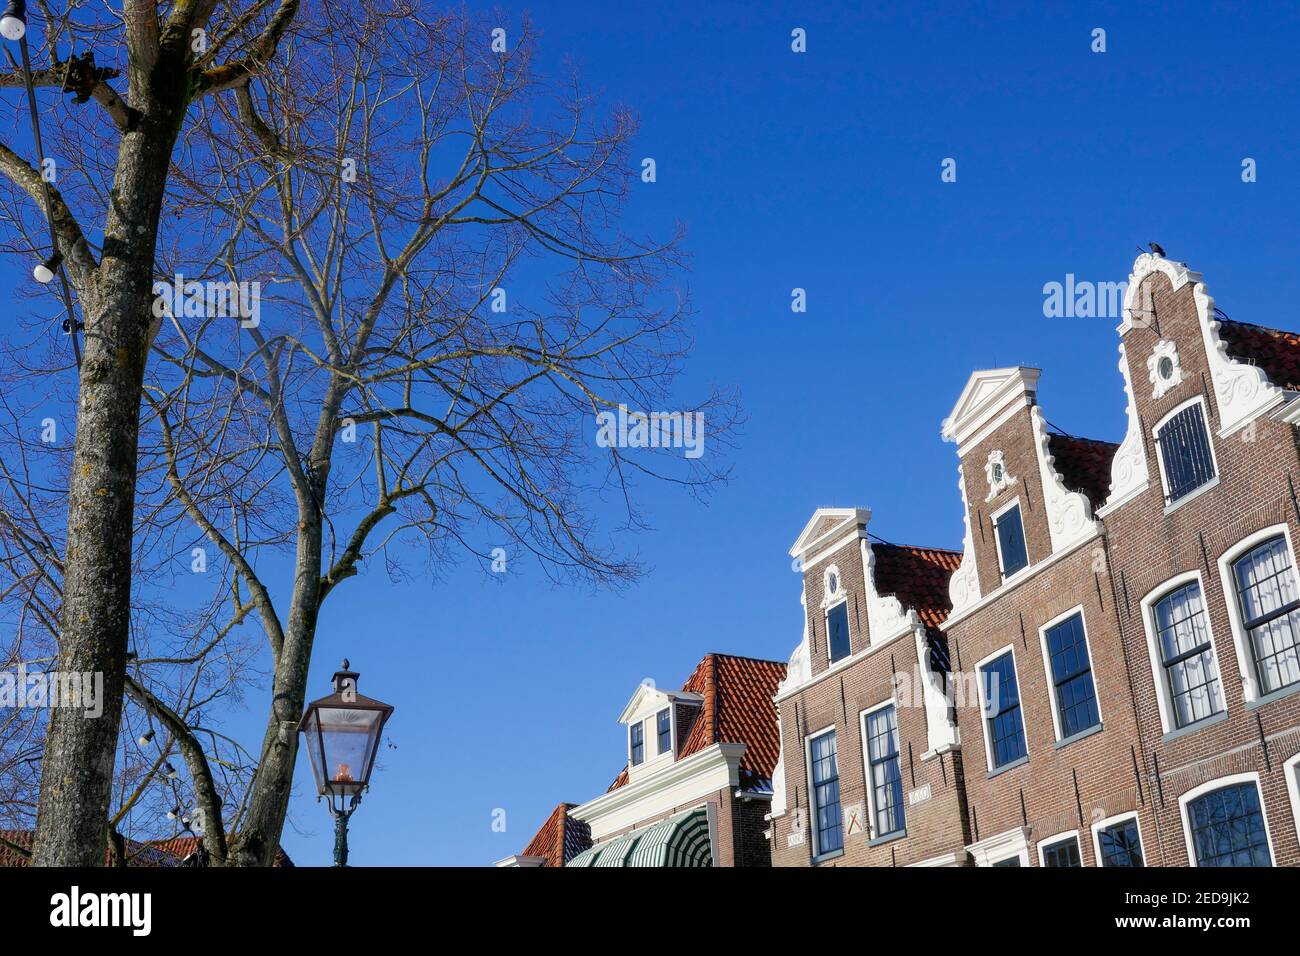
x=1155 y=247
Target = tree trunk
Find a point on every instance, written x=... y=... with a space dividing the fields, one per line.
x=259 y=834
x=77 y=770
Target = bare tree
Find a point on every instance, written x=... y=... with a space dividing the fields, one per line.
x=165 y=76
x=407 y=297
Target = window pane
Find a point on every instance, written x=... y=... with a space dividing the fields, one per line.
x=1005 y=729
x=1120 y=844
x=837 y=626
x=637 y=731
x=1185 y=451
x=1011 y=541
x=1191 y=671
x=1063 y=853
x=885 y=770
x=1076 y=698
x=1009 y=861
x=1266 y=591
x=1228 y=828
x=665 y=729
x=826 y=793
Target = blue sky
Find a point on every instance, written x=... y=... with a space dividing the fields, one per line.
x=822 y=171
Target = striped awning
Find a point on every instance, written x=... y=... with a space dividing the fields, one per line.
x=587 y=857
x=615 y=852
x=680 y=841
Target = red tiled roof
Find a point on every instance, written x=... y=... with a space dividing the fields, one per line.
x=918 y=577
x=150 y=853
x=560 y=838
x=737 y=709
x=137 y=854
x=1275 y=351
x=1083 y=464
x=182 y=846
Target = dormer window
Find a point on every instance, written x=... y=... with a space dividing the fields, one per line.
x=664 y=729
x=1010 y=534
x=1183 y=446
x=636 y=742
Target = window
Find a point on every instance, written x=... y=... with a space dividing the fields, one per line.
x=1011 y=541
x=826 y=794
x=1225 y=827
x=1073 y=693
x=1004 y=727
x=1270 y=612
x=1185 y=452
x=1190 y=670
x=665 y=727
x=884 y=771
x=1009 y=861
x=837 y=631
x=636 y=736
x=1119 y=843
x=1063 y=852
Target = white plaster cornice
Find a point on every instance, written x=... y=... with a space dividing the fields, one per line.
x=987 y=393
x=695 y=778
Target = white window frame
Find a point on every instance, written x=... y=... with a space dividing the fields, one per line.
x=1110 y=822
x=866 y=767
x=1051 y=841
x=644 y=757
x=826 y=627
x=997 y=539
x=817 y=853
x=1291 y=770
x=672 y=729
x=1216 y=784
x=1002 y=846
x=984 y=708
x=1168 y=723
x=1051 y=681
x=1246 y=667
x=1160 y=457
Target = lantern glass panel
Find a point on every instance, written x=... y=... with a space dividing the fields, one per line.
x=341 y=743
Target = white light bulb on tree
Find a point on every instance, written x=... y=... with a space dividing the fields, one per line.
x=44 y=272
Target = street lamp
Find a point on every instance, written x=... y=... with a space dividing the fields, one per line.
x=341 y=733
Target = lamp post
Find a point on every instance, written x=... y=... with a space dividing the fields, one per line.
x=13 y=26
x=341 y=733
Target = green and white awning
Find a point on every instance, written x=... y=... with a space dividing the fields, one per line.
x=615 y=852
x=679 y=841
x=587 y=857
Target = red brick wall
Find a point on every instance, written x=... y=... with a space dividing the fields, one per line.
x=1149 y=547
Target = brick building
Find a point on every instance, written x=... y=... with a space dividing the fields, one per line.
x=696 y=784
x=870 y=773
x=1109 y=672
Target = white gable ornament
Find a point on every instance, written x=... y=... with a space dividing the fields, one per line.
x=964 y=585
x=1128 y=469
x=832 y=587
x=1000 y=479
x=1069 y=513
x=1163 y=368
